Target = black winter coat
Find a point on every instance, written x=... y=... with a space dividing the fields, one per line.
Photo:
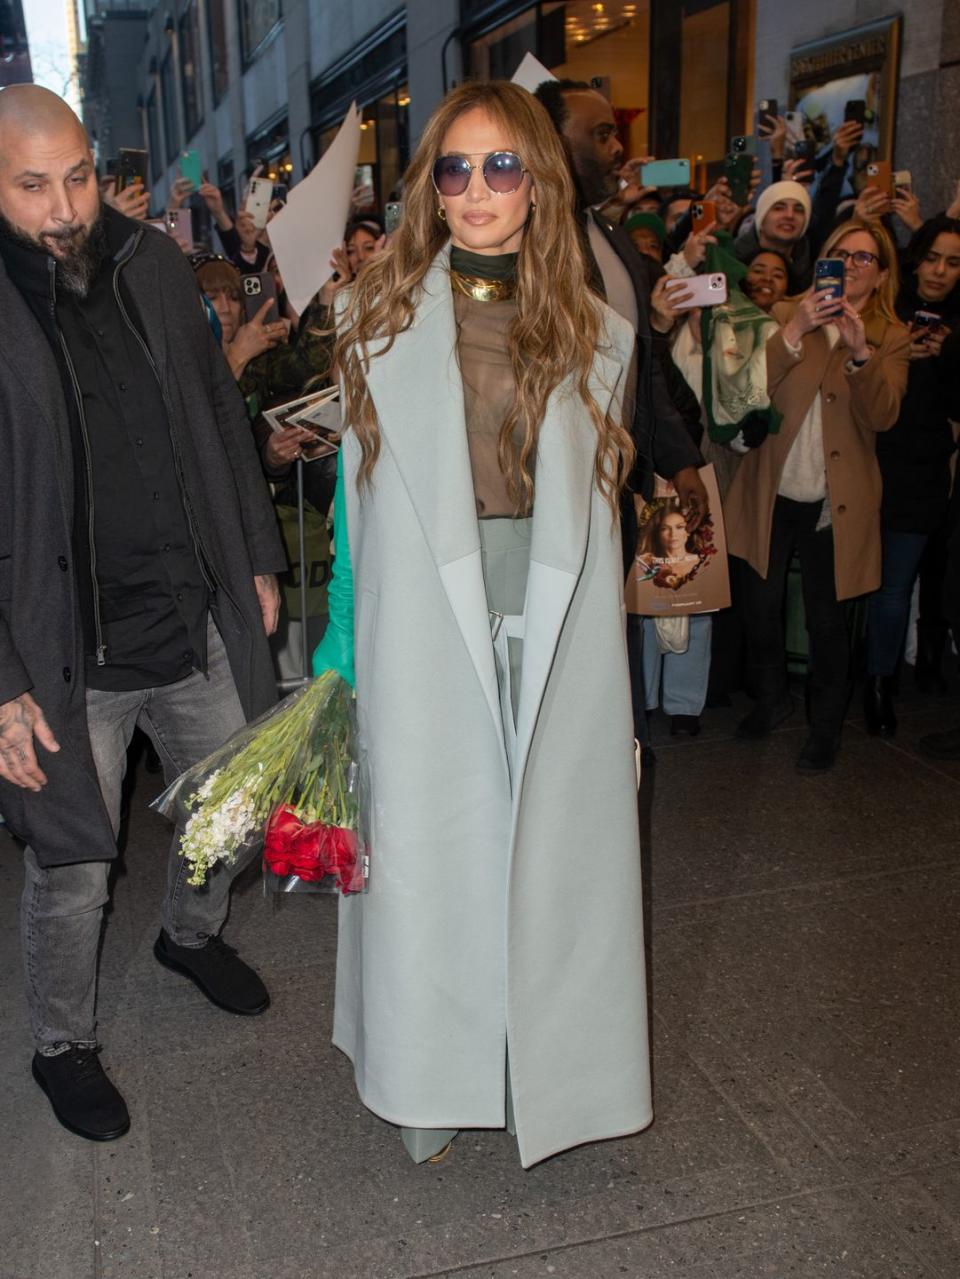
x=41 y=644
x=914 y=455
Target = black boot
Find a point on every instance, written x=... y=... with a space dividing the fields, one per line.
x=82 y=1097
x=819 y=751
x=878 y=705
x=765 y=716
x=931 y=640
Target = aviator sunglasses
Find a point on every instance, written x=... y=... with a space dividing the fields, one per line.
x=502 y=171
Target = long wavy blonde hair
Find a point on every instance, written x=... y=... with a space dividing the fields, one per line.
x=557 y=327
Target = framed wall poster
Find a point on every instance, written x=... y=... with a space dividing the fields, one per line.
x=674 y=571
x=859 y=64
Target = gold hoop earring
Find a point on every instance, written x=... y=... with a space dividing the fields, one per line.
x=442 y=213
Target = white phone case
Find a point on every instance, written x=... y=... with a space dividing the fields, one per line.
x=258 y=199
x=707 y=290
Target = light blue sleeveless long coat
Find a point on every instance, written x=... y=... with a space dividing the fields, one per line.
x=492 y=918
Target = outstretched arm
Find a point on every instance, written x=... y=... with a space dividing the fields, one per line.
x=335 y=650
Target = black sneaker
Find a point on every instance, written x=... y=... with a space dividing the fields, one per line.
x=82 y=1097
x=218 y=971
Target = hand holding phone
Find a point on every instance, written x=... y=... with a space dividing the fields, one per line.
x=131 y=169
x=829 y=277
x=703 y=290
x=190 y=169
x=257 y=203
x=738 y=170
x=665 y=173
x=703 y=213
x=258 y=289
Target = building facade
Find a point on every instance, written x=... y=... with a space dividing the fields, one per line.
x=14 y=47
x=267 y=82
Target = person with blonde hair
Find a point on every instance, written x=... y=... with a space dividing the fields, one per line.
x=492 y=975
x=836 y=371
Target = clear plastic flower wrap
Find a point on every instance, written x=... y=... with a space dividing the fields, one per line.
x=293 y=781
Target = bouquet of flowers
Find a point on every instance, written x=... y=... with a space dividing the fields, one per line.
x=291 y=780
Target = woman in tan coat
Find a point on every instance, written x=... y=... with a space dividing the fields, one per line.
x=836 y=371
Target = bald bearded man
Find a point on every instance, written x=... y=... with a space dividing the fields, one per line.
x=138 y=545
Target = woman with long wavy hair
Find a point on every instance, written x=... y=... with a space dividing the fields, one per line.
x=492 y=975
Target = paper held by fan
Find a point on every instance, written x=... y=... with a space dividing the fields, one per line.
x=675 y=571
x=531 y=73
x=319 y=413
x=308 y=228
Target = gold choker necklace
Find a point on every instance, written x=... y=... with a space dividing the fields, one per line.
x=481 y=290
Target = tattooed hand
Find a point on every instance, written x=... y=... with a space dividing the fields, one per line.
x=20 y=721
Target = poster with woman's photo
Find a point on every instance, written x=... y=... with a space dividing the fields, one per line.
x=675 y=569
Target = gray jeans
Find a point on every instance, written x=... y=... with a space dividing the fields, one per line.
x=62 y=906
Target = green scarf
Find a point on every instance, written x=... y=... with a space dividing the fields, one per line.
x=734 y=337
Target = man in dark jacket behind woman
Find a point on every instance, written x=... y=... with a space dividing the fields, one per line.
x=138 y=548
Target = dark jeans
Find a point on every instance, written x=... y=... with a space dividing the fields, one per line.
x=62 y=908
x=889 y=608
x=794 y=528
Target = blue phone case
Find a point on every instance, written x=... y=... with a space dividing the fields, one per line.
x=665 y=173
x=828 y=276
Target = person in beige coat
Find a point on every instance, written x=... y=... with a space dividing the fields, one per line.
x=836 y=371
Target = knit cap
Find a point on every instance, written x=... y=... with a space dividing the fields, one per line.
x=649 y=220
x=783 y=191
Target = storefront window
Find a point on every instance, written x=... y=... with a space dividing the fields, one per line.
x=702 y=69
x=190 y=70
x=384 y=146
x=704 y=76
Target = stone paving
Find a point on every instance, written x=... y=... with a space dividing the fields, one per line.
x=805 y=970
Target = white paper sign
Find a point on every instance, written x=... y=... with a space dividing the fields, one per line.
x=531 y=73
x=306 y=231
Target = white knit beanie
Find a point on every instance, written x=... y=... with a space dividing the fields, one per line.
x=783 y=191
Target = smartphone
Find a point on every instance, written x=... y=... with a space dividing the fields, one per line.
x=131 y=168
x=179 y=224
x=738 y=170
x=796 y=123
x=924 y=322
x=190 y=168
x=828 y=276
x=281 y=192
x=855 y=109
x=392 y=214
x=879 y=174
x=767 y=111
x=665 y=173
x=805 y=150
x=257 y=203
x=707 y=290
x=702 y=213
x=258 y=289
x=902 y=180
x=743 y=144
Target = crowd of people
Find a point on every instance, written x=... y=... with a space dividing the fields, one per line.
x=831 y=434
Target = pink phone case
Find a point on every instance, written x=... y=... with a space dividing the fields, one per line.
x=707 y=290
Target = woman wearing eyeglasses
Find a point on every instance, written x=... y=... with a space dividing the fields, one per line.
x=837 y=371
x=493 y=974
